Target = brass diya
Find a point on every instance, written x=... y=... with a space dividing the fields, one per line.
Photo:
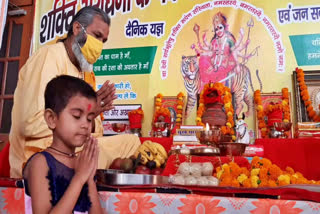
x=210 y=137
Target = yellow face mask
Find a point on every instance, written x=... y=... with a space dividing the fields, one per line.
x=92 y=49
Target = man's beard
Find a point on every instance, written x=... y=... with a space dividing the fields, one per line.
x=83 y=63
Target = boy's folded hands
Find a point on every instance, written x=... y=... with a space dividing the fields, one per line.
x=87 y=161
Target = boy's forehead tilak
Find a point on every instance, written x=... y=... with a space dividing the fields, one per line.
x=89 y=106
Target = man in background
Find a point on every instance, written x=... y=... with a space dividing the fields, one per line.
x=72 y=56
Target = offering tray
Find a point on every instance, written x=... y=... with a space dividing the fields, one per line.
x=198 y=150
x=119 y=178
x=231 y=149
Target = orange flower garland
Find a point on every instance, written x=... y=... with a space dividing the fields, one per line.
x=159 y=101
x=305 y=96
x=225 y=92
x=263 y=173
x=137 y=111
x=180 y=104
x=165 y=111
x=162 y=111
x=261 y=113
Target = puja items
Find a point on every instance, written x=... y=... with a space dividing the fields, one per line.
x=135 y=121
x=216 y=109
x=161 y=123
x=307 y=129
x=151 y=154
x=107 y=177
x=275 y=112
x=210 y=137
x=282 y=127
x=119 y=127
x=231 y=149
x=194 y=174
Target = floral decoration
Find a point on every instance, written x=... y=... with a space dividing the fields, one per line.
x=180 y=104
x=283 y=108
x=225 y=93
x=305 y=96
x=162 y=111
x=263 y=173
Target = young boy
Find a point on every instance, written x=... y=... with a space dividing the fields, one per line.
x=58 y=179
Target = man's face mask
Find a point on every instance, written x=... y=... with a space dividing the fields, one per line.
x=92 y=48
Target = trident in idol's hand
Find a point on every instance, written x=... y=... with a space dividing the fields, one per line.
x=250 y=24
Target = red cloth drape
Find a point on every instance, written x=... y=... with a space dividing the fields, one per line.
x=303 y=155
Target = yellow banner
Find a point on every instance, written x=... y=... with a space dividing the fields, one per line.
x=244 y=44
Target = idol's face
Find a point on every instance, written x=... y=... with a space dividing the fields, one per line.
x=219 y=29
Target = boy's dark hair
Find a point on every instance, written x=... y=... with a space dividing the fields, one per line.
x=61 y=88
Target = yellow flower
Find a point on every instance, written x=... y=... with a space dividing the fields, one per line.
x=241 y=178
x=179 y=107
x=178 y=119
x=284 y=179
x=219 y=174
x=227 y=105
x=255 y=181
x=260 y=108
x=234 y=137
x=229 y=124
x=255 y=171
x=198 y=119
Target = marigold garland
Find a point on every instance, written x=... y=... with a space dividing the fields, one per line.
x=180 y=104
x=261 y=113
x=263 y=173
x=165 y=111
x=305 y=96
x=137 y=111
x=225 y=92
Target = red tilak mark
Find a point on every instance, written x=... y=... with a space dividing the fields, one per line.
x=89 y=107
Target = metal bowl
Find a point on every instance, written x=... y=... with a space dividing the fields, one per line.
x=282 y=126
x=231 y=149
x=104 y=177
x=118 y=127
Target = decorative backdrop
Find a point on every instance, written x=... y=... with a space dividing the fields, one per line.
x=247 y=45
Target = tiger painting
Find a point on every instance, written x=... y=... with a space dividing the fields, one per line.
x=191 y=77
x=237 y=81
x=239 y=85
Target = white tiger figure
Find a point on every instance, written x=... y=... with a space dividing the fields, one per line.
x=191 y=77
x=240 y=88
